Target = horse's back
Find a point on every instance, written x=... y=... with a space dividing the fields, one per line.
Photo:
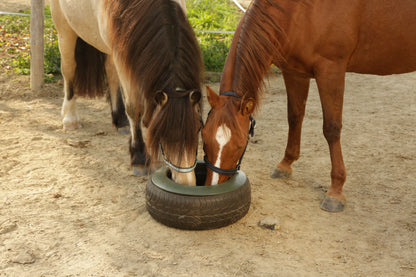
x=365 y=36
x=386 y=38
x=85 y=18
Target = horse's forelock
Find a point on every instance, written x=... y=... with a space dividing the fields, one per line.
x=176 y=126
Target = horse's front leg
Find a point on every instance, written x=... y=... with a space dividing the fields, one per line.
x=140 y=160
x=67 y=40
x=118 y=112
x=331 y=82
x=297 y=93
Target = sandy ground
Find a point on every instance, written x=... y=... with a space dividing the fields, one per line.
x=69 y=205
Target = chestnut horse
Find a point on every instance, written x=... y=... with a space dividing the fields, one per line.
x=305 y=39
x=150 y=55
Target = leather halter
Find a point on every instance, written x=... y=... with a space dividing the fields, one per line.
x=250 y=133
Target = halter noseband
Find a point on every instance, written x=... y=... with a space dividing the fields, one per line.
x=177 y=168
x=250 y=133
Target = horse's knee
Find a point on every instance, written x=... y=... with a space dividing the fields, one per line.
x=332 y=131
x=131 y=112
x=294 y=119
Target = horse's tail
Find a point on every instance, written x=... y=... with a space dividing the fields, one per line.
x=89 y=78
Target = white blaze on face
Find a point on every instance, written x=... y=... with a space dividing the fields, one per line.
x=223 y=136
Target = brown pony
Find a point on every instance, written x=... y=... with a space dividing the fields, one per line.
x=153 y=63
x=305 y=39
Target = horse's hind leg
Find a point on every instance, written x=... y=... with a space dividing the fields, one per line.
x=118 y=112
x=330 y=83
x=297 y=92
x=67 y=39
x=69 y=113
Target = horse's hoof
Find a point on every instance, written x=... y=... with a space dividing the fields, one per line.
x=280 y=173
x=332 y=204
x=72 y=126
x=141 y=171
x=124 y=130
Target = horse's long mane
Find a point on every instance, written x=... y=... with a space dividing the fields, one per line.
x=159 y=52
x=257 y=46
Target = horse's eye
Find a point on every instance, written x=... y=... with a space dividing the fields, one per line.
x=195 y=96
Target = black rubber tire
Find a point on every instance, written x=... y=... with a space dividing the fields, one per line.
x=197 y=208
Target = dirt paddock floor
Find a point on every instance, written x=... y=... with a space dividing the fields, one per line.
x=70 y=206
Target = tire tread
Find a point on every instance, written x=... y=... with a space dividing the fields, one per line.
x=197 y=212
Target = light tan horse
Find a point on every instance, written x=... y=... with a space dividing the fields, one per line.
x=306 y=39
x=149 y=53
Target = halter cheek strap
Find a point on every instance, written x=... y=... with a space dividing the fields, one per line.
x=250 y=133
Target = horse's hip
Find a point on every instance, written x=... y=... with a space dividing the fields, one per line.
x=85 y=18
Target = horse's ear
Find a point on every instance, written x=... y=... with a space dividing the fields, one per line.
x=212 y=97
x=161 y=98
x=195 y=96
x=248 y=106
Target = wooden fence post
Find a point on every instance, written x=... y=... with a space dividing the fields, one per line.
x=36 y=43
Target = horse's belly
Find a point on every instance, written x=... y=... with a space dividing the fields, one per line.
x=386 y=38
x=390 y=58
x=84 y=17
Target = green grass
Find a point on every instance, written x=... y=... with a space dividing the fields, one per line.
x=15 y=43
x=211 y=15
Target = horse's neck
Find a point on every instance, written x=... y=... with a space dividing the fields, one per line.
x=260 y=40
x=227 y=76
x=243 y=72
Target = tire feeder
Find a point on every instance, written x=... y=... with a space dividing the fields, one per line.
x=197 y=207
